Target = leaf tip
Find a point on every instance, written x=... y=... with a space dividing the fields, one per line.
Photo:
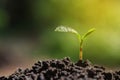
x=93 y=29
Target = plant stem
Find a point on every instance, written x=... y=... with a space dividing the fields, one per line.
x=81 y=50
x=81 y=54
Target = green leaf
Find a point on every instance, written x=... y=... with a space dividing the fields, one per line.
x=66 y=29
x=88 y=33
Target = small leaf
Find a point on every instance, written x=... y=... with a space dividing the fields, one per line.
x=66 y=29
x=88 y=33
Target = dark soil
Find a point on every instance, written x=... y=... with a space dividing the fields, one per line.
x=63 y=69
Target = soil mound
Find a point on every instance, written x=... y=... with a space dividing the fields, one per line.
x=63 y=69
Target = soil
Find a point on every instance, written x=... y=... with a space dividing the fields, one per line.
x=63 y=69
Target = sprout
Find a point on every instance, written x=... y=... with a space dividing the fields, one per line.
x=80 y=37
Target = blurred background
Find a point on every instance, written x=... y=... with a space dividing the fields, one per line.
x=27 y=31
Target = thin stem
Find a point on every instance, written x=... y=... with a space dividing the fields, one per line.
x=81 y=54
x=81 y=51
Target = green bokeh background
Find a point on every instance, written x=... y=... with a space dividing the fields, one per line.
x=29 y=25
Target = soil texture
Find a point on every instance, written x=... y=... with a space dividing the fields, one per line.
x=63 y=69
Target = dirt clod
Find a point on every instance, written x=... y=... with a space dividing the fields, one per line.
x=63 y=69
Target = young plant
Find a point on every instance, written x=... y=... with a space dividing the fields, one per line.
x=81 y=38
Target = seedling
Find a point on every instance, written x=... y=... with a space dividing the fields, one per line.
x=81 y=38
